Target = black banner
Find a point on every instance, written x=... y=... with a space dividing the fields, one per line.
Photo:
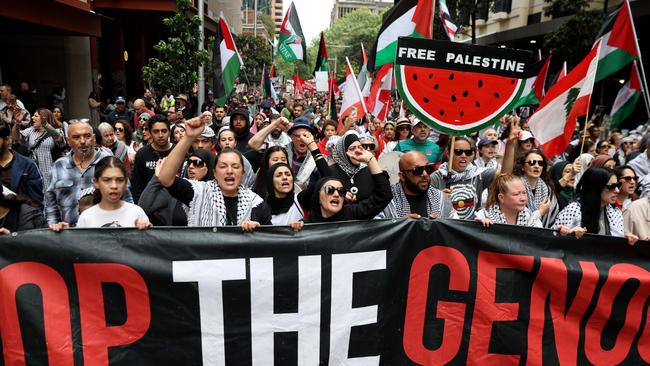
x=464 y=57
x=398 y=292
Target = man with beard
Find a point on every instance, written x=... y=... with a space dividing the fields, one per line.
x=414 y=196
x=218 y=113
x=144 y=165
x=420 y=142
x=240 y=125
x=272 y=135
x=72 y=174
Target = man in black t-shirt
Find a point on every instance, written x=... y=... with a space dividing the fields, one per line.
x=144 y=165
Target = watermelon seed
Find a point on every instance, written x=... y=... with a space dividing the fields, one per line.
x=415 y=76
x=496 y=95
x=451 y=76
x=435 y=87
x=477 y=104
x=462 y=113
x=430 y=76
x=512 y=81
x=453 y=98
x=480 y=83
x=465 y=93
x=442 y=113
x=426 y=100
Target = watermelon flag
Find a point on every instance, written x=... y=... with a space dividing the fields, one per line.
x=534 y=87
x=291 y=45
x=321 y=59
x=618 y=46
x=554 y=121
x=297 y=85
x=443 y=12
x=352 y=97
x=331 y=112
x=379 y=100
x=626 y=98
x=405 y=18
x=227 y=63
x=268 y=91
x=363 y=78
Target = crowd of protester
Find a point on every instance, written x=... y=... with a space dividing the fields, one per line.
x=153 y=162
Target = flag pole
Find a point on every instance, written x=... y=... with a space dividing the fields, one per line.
x=638 y=50
x=584 y=131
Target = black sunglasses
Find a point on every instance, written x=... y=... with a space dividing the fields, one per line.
x=368 y=146
x=613 y=186
x=119 y=129
x=629 y=179
x=535 y=162
x=459 y=152
x=329 y=190
x=419 y=170
x=197 y=163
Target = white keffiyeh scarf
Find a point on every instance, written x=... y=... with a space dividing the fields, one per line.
x=537 y=196
x=524 y=218
x=209 y=209
x=469 y=173
x=435 y=203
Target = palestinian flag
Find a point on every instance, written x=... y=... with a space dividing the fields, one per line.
x=618 y=46
x=554 y=121
x=227 y=63
x=443 y=12
x=321 y=59
x=272 y=72
x=331 y=111
x=268 y=91
x=534 y=88
x=405 y=18
x=291 y=45
x=626 y=98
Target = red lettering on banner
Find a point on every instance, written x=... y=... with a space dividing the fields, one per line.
x=551 y=281
x=617 y=276
x=487 y=311
x=56 y=313
x=644 y=342
x=96 y=336
x=453 y=313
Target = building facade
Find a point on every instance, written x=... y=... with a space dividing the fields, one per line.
x=342 y=7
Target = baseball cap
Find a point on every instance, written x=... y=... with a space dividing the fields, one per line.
x=485 y=141
x=241 y=112
x=525 y=135
x=416 y=121
x=120 y=100
x=266 y=104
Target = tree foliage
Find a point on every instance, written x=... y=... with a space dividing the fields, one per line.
x=255 y=52
x=179 y=58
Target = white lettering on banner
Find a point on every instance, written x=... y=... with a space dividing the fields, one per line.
x=210 y=274
x=344 y=316
x=486 y=62
x=418 y=54
x=265 y=322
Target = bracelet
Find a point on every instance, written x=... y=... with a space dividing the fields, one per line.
x=316 y=154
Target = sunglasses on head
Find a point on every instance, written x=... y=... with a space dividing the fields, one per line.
x=459 y=152
x=535 y=162
x=119 y=129
x=629 y=178
x=368 y=146
x=419 y=170
x=197 y=163
x=613 y=186
x=329 y=190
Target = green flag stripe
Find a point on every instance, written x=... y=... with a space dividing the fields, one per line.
x=613 y=62
x=625 y=111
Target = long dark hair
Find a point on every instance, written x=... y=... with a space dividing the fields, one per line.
x=260 y=186
x=46 y=116
x=521 y=161
x=590 y=188
x=128 y=131
x=102 y=165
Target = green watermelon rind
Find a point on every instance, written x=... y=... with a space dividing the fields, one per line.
x=445 y=127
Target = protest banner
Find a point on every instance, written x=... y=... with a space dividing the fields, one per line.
x=393 y=292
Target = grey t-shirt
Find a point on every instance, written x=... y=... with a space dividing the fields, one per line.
x=465 y=193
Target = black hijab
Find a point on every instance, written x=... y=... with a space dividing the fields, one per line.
x=316 y=214
x=278 y=205
x=209 y=159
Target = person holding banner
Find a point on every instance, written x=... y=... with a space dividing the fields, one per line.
x=507 y=203
x=594 y=212
x=531 y=167
x=281 y=198
x=221 y=201
x=109 y=210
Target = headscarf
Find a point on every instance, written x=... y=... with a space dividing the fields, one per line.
x=208 y=158
x=584 y=159
x=278 y=205
x=340 y=155
x=600 y=160
x=316 y=214
x=568 y=193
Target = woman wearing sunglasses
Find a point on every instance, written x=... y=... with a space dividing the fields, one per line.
x=507 y=203
x=328 y=196
x=531 y=167
x=628 y=179
x=348 y=169
x=594 y=212
x=465 y=182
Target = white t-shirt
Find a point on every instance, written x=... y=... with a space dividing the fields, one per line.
x=124 y=216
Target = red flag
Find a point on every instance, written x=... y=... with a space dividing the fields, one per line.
x=297 y=85
x=352 y=98
x=378 y=101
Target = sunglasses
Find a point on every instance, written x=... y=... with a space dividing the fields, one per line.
x=419 y=170
x=368 y=146
x=329 y=190
x=531 y=140
x=403 y=128
x=119 y=129
x=603 y=146
x=629 y=179
x=627 y=143
x=196 y=162
x=535 y=162
x=459 y=152
x=613 y=186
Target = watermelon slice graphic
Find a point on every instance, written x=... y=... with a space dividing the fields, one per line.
x=456 y=101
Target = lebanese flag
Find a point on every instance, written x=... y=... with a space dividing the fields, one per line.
x=227 y=63
x=555 y=120
x=534 y=87
x=297 y=85
x=352 y=97
x=562 y=73
x=618 y=46
x=406 y=18
x=626 y=98
x=378 y=101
